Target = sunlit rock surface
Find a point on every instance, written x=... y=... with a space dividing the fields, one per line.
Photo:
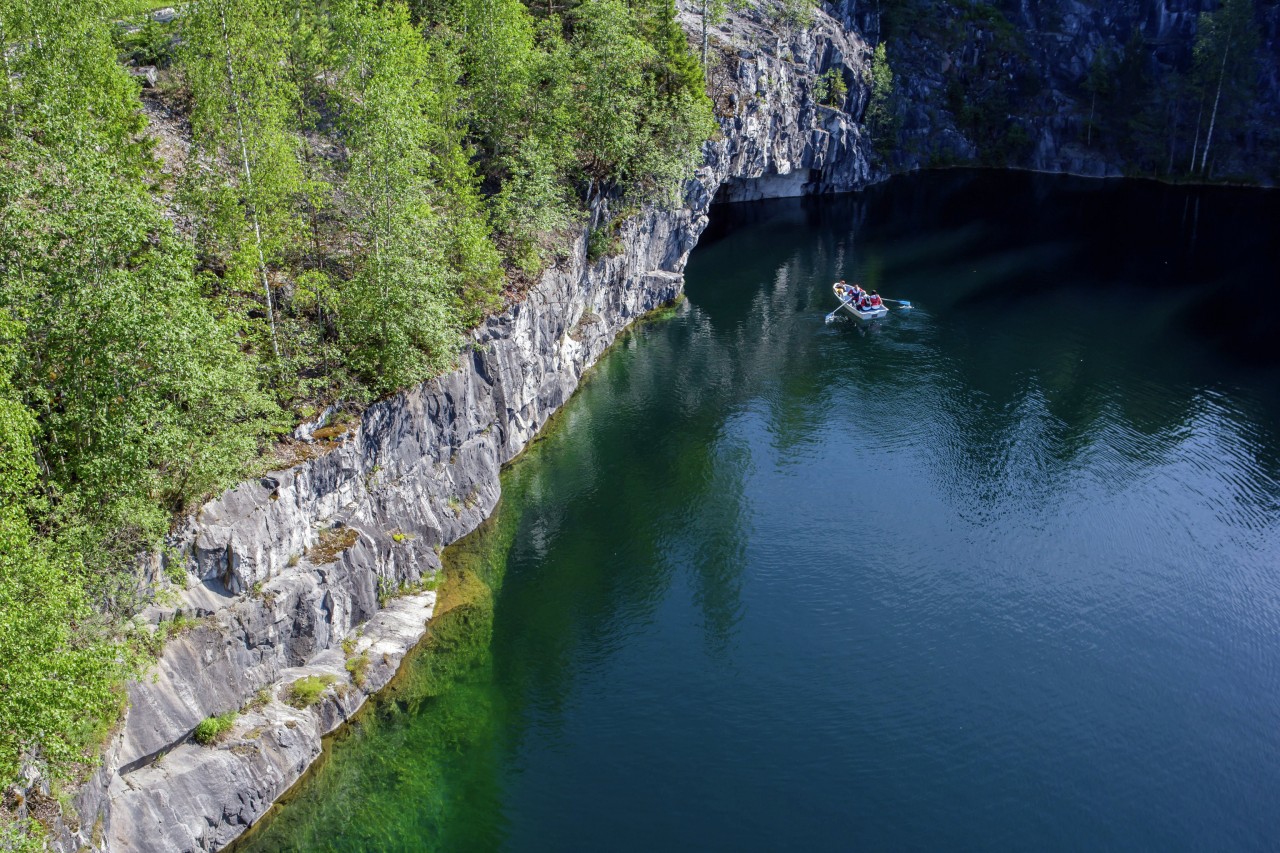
x=284 y=568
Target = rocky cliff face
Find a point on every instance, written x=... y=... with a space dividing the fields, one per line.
x=1006 y=83
x=323 y=568
x=778 y=139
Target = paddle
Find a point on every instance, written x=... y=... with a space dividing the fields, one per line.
x=832 y=315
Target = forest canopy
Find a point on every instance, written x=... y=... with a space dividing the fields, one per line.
x=313 y=202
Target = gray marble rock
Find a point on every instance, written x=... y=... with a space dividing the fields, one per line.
x=415 y=472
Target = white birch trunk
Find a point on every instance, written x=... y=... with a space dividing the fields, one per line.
x=248 y=180
x=1213 y=116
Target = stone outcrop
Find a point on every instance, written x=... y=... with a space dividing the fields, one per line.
x=326 y=566
x=778 y=141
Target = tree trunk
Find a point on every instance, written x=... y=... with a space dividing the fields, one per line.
x=8 y=80
x=248 y=180
x=1088 y=137
x=706 y=10
x=1195 y=146
x=1217 y=99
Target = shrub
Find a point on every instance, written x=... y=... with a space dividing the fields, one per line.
x=260 y=700
x=211 y=729
x=830 y=88
x=306 y=691
x=333 y=541
x=359 y=669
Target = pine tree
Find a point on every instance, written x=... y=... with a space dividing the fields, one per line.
x=880 y=118
x=1098 y=83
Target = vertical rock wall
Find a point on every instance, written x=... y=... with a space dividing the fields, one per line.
x=283 y=569
x=1052 y=44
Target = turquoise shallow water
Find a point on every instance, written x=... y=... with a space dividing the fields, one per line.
x=1002 y=572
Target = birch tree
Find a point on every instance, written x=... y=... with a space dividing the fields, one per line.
x=417 y=212
x=1225 y=56
x=243 y=119
x=122 y=393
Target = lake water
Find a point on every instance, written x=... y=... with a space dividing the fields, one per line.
x=1000 y=572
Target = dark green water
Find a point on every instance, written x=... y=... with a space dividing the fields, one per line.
x=999 y=573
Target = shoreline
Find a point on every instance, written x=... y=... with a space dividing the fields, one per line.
x=456 y=590
x=288 y=571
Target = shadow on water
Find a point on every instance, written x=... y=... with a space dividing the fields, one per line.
x=961 y=577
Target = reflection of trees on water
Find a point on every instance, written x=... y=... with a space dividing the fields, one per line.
x=1045 y=280
x=997 y=385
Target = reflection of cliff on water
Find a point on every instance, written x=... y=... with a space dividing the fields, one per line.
x=1035 y=444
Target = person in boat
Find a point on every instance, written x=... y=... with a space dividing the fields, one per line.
x=875 y=299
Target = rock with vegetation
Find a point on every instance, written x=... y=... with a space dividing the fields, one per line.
x=788 y=127
x=341 y=193
x=280 y=570
x=1174 y=89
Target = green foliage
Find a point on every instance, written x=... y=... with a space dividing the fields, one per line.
x=1099 y=82
x=603 y=242
x=60 y=660
x=306 y=691
x=359 y=188
x=830 y=88
x=407 y=167
x=358 y=666
x=881 y=118
x=982 y=94
x=610 y=58
x=242 y=116
x=1225 y=68
x=211 y=729
x=142 y=396
x=63 y=86
x=152 y=43
x=795 y=14
x=26 y=836
x=637 y=111
x=900 y=19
